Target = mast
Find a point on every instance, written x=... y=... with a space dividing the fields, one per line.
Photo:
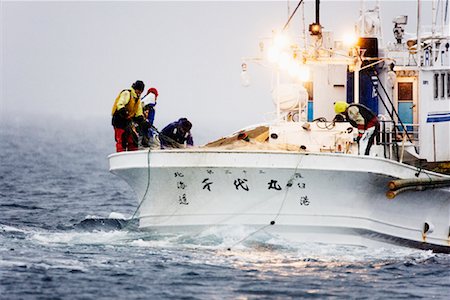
x=362 y=29
x=433 y=31
x=317 y=11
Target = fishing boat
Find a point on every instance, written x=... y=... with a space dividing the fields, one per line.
x=301 y=177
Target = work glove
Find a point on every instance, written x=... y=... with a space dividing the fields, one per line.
x=142 y=124
x=123 y=113
x=139 y=120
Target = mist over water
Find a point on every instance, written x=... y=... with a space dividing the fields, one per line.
x=64 y=235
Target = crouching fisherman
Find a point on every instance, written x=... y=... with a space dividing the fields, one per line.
x=126 y=111
x=362 y=118
x=177 y=135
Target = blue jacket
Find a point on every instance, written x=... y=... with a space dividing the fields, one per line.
x=174 y=134
x=150 y=119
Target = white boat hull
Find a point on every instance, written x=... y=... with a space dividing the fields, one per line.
x=328 y=198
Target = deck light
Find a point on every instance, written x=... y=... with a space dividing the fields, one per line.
x=293 y=68
x=303 y=73
x=315 y=29
x=285 y=61
x=281 y=41
x=350 y=40
x=245 y=78
x=273 y=54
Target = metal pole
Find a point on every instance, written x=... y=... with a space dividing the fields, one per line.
x=433 y=32
x=356 y=80
x=317 y=12
x=278 y=95
x=362 y=31
x=419 y=62
x=434 y=142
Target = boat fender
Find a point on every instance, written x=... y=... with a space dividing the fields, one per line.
x=428 y=227
x=306 y=126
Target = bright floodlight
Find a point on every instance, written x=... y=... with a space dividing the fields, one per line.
x=273 y=54
x=284 y=61
x=281 y=41
x=293 y=68
x=350 y=40
x=303 y=73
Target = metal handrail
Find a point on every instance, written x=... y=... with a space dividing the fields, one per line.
x=390 y=137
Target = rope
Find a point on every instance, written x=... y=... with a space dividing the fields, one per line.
x=273 y=222
x=172 y=143
x=148 y=185
x=292 y=15
x=168 y=140
x=324 y=120
x=133 y=217
x=145 y=194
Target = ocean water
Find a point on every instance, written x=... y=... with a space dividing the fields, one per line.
x=64 y=235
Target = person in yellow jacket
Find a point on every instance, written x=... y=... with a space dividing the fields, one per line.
x=127 y=109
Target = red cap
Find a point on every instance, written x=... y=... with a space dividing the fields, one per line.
x=153 y=91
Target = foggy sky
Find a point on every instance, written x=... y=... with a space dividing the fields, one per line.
x=72 y=58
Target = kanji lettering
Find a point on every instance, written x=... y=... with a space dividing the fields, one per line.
x=207 y=184
x=183 y=200
x=301 y=185
x=241 y=183
x=304 y=201
x=273 y=184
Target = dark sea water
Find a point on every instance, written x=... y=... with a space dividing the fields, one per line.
x=63 y=235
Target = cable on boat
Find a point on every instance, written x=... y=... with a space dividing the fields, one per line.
x=292 y=15
x=145 y=194
x=148 y=184
x=273 y=222
x=173 y=143
x=325 y=121
x=391 y=113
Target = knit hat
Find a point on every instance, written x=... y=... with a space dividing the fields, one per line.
x=185 y=124
x=138 y=85
x=153 y=91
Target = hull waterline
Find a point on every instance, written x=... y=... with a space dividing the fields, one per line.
x=325 y=198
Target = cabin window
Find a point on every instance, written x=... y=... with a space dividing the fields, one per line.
x=436 y=86
x=405 y=91
x=443 y=85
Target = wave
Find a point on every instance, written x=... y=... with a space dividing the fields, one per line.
x=105 y=224
x=233 y=241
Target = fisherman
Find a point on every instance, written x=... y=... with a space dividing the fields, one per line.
x=177 y=134
x=149 y=114
x=362 y=118
x=126 y=112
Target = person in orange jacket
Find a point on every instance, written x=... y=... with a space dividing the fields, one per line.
x=126 y=111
